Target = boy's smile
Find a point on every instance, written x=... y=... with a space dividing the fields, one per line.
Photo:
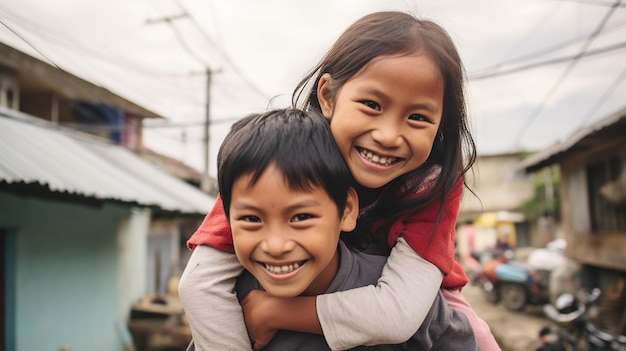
x=287 y=238
x=385 y=118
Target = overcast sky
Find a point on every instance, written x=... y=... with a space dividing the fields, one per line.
x=260 y=49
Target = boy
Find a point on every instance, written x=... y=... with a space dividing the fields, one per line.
x=287 y=194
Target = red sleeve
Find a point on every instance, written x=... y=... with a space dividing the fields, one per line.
x=214 y=230
x=436 y=247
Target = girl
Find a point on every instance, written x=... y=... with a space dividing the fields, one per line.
x=392 y=90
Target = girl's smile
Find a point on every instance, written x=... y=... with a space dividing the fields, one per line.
x=375 y=158
x=385 y=118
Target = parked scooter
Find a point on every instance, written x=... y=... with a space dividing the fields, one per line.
x=574 y=330
x=512 y=283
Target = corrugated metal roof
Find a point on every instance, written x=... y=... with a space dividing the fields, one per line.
x=34 y=151
x=598 y=130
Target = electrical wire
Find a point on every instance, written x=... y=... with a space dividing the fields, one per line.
x=570 y=58
x=590 y=2
x=564 y=75
x=250 y=84
x=497 y=70
x=66 y=42
x=528 y=35
x=607 y=93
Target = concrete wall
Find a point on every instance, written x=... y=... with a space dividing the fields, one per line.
x=498 y=186
x=75 y=272
x=602 y=249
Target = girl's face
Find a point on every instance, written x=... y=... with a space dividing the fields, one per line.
x=385 y=118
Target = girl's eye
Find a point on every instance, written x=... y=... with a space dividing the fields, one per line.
x=418 y=117
x=301 y=217
x=371 y=104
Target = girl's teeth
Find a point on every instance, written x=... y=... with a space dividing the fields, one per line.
x=385 y=161
x=282 y=269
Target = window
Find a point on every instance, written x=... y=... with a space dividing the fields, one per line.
x=8 y=90
x=606 y=216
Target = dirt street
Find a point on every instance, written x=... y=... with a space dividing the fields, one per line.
x=514 y=331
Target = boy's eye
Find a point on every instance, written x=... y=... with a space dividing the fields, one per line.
x=301 y=217
x=251 y=219
x=371 y=104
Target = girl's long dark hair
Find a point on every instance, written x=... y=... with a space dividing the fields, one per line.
x=454 y=151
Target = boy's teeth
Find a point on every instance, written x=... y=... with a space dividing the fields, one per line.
x=386 y=161
x=282 y=269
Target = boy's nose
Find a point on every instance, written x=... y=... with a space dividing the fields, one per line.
x=277 y=244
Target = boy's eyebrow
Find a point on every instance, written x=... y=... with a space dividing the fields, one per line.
x=299 y=205
x=304 y=204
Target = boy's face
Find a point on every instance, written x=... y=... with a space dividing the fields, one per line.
x=287 y=239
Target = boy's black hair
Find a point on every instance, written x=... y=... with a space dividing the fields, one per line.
x=298 y=143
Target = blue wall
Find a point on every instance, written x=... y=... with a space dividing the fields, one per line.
x=66 y=274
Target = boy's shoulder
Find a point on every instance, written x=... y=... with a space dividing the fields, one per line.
x=356 y=269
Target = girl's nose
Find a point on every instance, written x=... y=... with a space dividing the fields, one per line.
x=277 y=243
x=387 y=133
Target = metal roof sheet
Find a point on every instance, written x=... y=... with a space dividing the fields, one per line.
x=598 y=130
x=34 y=151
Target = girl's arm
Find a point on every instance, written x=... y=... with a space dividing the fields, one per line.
x=389 y=313
x=206 y=291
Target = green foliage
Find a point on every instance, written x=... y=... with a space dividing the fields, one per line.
x=546 y=198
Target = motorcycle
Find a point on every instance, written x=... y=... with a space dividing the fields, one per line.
x=514 y=284
x=574 y=329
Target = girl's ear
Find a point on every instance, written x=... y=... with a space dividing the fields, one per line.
x=324 y=95
x=350 y=212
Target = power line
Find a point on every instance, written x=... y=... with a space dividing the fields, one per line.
x=213 y=121
x=17 y=24
x=607 y=93
x=526 y=37
x=169 y=20
x=565 y=73
x=251 y=85
x=549 y=62
x=497 y=70
x=596 y=3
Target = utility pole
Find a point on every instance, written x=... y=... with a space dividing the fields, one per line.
x=205 y=184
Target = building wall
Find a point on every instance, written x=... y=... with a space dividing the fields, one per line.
x=606 y=249
x=67 y=281
x=132 y=253
x=163 y=255
x=498 y=186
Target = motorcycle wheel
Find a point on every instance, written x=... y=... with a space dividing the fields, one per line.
x=513 y=296
x=490 y=291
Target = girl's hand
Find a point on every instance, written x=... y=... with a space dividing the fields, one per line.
x=257 y=315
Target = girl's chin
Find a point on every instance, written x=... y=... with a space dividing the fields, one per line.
x=371 y=184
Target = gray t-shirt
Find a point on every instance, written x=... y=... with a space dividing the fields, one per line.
x=443 y=329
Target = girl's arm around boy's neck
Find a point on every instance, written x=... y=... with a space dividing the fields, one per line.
x=265 y=315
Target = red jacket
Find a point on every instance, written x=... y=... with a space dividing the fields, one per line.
x=416 y=227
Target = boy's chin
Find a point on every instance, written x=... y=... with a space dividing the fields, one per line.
x=284 y=292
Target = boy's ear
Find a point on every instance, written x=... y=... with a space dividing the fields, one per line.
x=350 y=212
x=324 y=95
